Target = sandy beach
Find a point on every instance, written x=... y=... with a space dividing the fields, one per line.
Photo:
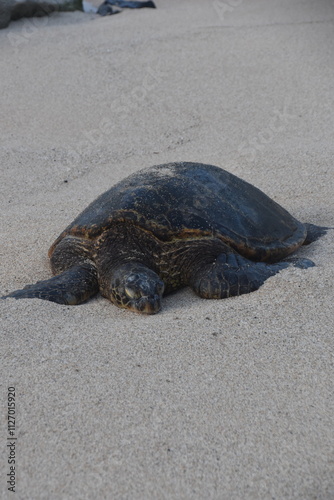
x=223 y=400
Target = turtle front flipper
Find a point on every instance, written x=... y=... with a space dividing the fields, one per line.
x=74 y=286
x=231 y=274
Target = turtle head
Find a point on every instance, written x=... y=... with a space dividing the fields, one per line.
x=136 y=287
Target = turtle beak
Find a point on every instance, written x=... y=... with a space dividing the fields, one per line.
x=146 y=304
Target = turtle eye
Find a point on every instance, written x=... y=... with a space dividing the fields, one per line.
x=132 y=293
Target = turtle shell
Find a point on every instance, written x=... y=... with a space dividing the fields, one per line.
x=193 y=200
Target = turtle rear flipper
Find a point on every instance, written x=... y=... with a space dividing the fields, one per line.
x=72 y=287
x=231 y=274
x=314 y=232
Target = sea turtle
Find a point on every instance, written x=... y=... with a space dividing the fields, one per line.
x=169 y=226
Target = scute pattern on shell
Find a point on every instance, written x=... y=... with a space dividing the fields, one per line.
x=191 y=200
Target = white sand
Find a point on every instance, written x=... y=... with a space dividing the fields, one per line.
x=227 y=399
